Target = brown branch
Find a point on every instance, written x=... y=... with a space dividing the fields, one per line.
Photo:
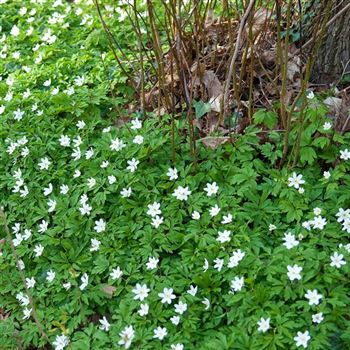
x=234 y=57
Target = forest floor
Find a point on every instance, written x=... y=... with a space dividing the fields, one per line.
x=118 y=231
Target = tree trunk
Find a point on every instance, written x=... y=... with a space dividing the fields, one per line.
x=333 y=58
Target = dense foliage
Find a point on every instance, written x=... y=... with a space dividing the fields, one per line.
x=121 y=247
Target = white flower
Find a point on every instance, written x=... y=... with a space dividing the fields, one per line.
x=327 y=126
x=206 y=302
x=132 y=165
x=294 y=272
x=50 y=276
x=24 y=192
x=116 y=273
x=211 y=189
x=117 y=145
x=66 y=286
x=290 y=241
x=226 y=219
x=64 y=189
x=77 y=173
x=77 y=141
x=152 y=263
x=224 y=236
x=76 y=155
x=180 y=308
x=95 y=245
x=301 y=190
x=136 y=124
x=157 y=221
x=301 y=339
x=84 y=281
x=48 y=190
x=177 y=346
x=85 y=209
x=143 y=311
x=104 y=164
x=81 y=124
x=160 y=333
x=104 y=324
x=23 y=299
x=234 y=260
x=61 y=342
x=112 y=179
x=326 y=175
x=193 y=290
x=345 y=154
x=55 y=91
x=172 y=173
x=319 y=222
x=18 y=240
x=264 y=325
x=47 y=82
x=126 y=192
x=237 y=284
x=337 y=260
x=89 y=153
x=272 y=227
x=343 y=215
x=83 y=199
x=295 y=180
x=196 y=215
x=30 y=282
x=79 y=81
x=175 y=320
x=213 y=211
x=218 y=264
x=16 y=228
x=317 y=318
x=100 y=226
x=43 y=226
x=2 y=109
x=167 y=295
x=205 y=265
x=313 y=297
x=140 y=291
x=138 y=139
x=64 y=141
x=18 y=114
x=14 y=31
x=44 y=163
x=127 y=336
x=317 y=211
x=310 y=95
x=182 y=193
x=154 y=209
x=52 y=205
x=91 y=182
x=26 y=313
x=25 y=151
x=38 y=250
x=20 y=264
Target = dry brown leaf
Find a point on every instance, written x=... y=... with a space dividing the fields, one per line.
x=212 y=84
x=214 y=142
x=109 y=290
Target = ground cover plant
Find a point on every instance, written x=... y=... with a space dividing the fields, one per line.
x=116 y=235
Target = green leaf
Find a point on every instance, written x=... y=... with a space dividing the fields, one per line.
x=267 y=118
x=307 y=155
x=201 y=108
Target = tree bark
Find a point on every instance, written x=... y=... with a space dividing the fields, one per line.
x=333 y=58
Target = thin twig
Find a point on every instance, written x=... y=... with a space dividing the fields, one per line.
x=234 y=57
